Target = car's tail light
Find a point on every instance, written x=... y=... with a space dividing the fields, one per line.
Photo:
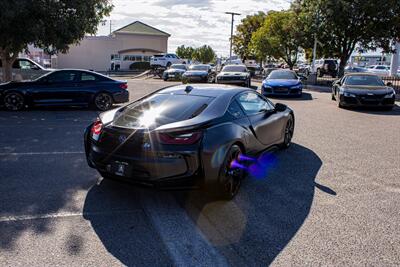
x=96 y=129
x=123 y=86
x=180 y=139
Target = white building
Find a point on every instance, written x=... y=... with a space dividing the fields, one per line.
x=135 y=42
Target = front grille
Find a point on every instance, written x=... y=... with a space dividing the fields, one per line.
x=370 y=99
x=229 y=78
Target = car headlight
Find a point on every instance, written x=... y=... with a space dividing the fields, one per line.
x=347 y=94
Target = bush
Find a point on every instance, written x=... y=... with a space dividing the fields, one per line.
x=140 y=66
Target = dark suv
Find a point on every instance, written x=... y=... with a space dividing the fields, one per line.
x=327 y=67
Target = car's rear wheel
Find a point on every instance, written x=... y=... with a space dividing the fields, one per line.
x=338 y=102
x=14 y=101
x=289 y=130
x=103 y=101
x=230 y=177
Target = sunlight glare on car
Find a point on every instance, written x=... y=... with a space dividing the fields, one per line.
x=150 y=116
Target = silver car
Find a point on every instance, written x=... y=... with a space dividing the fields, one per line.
x=25 y=69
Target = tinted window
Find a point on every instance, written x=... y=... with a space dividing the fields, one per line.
x=161 y=109
x=364 y=80
x=252 y=103
x=199 y=67
x=235 y=69
x=88 y=77
x=235 y=110
x=285 y=75
x=61 y=76
x=381 y=67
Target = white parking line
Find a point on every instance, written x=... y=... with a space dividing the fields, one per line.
x=41 y=153
x=63 y=215
x=186 y=245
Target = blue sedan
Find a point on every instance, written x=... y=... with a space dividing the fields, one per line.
x=282 y=82
x=68 y=87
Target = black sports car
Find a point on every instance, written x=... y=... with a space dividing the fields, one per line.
x=68 y=87
x=234 y=74
x=199 y=73
x=187 y=136
x=174 y=72
x=361 y=89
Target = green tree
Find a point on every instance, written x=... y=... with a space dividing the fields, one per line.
x=241 y=40
x=342 y=25
x=281 y=37
x=204 y=54
x=185 y=52
x=51 y=25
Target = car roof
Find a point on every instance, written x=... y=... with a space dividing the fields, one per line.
x=207 y=90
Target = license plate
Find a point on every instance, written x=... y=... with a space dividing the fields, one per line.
x=172 y=75
x=119 y=168
x=281 y=89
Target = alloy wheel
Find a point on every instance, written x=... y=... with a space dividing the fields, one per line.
x=232 y=175
x=14 y=101
x=289 y=132
x=103 y=101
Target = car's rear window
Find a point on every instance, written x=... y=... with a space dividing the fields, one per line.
x=364 y=80
x=161 y=109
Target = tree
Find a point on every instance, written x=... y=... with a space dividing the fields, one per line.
x=51 y=25
x=281 y=36
x=341 y=25
x=185 y=52
x=241 y=40
x=204 y=54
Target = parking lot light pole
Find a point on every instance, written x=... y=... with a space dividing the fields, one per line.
x=233 y=18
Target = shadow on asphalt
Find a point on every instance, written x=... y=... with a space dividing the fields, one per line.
x=377 y=110
x=250 y=230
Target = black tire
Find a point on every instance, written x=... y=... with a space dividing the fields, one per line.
x=14 y=101
x=320 y=73
x=333 y=96
x=103 y=101
x=165 y=79
x=230 y=179
x=289 y=130
x=249 y=83
x=338 y=102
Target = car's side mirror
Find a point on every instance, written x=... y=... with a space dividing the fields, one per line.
x=279 y=107
x=389 y=84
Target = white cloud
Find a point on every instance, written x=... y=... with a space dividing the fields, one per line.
x=190 y=22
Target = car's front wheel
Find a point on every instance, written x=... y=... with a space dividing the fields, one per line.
x=230 y=176
x=14 y=101
x=289 y=130
x=103 y=101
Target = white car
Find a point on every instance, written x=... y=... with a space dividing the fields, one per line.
x=165 y=60
x=380 y=70
x=25 y=69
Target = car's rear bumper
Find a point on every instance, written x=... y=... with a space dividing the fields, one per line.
x=121 y=97
x=156 y=168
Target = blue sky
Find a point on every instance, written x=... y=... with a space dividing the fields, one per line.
x=190 y=22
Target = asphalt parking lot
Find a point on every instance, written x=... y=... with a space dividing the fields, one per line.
x=332 y=198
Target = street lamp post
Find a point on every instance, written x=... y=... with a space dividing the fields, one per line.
x=233 y=17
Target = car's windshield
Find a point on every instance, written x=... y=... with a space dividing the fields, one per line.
x=282 y=75
x=161 y=109
x=178 y=66
x=234 y=69
x=364 y=80
x=199 y=67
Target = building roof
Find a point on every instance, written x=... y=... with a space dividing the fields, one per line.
x=138 y=27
